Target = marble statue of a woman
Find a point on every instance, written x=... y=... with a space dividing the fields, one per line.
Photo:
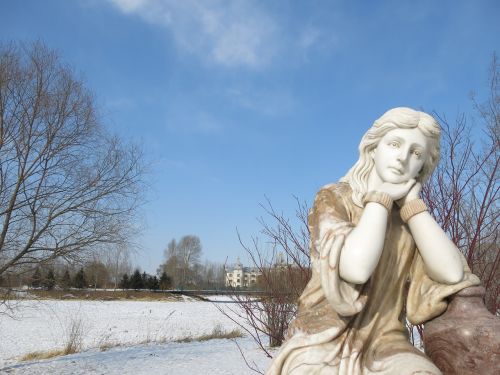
x=378 y=257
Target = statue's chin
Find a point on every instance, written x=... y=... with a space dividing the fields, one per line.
x=395 y=180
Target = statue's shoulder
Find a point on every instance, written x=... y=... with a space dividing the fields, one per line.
x=338 y=194
x=334 y=199
x=337 y=189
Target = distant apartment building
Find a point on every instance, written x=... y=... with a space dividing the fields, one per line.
x=242 y=277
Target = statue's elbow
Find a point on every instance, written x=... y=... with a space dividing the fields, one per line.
x=353 y=268
x=455 y=276
x=358 y=276
x=450 y=277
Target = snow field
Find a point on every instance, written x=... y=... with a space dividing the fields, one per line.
x=45 y=325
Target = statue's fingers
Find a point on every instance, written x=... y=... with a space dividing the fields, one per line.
x=334 y=255
x=409 y=184
x=325 y=244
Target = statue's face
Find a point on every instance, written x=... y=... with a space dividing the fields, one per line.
x=400 y=155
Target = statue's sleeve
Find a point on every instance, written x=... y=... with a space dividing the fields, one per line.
x=330 y=217
x=426 y=297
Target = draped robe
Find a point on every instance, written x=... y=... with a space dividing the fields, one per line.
x=349 y=329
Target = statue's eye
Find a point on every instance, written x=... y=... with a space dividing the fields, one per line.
x=417 y=153
x=394 y=144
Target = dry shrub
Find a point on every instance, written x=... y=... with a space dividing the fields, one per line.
x=74 y=341
x=74 y=335
x=284 y=272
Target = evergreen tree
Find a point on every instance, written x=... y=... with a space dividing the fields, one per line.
x=145 y=280
x=125 y=282
x=153 y=283
x=136 y=280
x=80 y=282
x=36 y=279
x=165 y=281
x=66 y=280
x=50 y=280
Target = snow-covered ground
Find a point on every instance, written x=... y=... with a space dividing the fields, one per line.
x=145 y=332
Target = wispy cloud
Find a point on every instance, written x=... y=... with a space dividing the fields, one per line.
x=267 y=101
x=315 y=40
x=175 y=164
x=232 y=34
x=120 y=103
x=309 y=37
x=193 y=121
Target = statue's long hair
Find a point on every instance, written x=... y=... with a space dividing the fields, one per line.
x=396 y=118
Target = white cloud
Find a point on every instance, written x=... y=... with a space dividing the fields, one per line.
x=129 y=6
x=229 y=33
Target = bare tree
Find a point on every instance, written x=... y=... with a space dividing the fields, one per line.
x=66 y=186
x=97 y=274
x=464 y=191
x=209 y=275
x=182 y=260
x=189 y=253
x=117 y=261
x=284 y=269
x=171 y=266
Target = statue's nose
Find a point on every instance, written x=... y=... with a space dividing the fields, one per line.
x=402 y=156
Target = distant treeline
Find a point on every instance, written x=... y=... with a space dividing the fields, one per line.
x=138 y=280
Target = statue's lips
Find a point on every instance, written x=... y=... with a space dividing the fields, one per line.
x=396 y=170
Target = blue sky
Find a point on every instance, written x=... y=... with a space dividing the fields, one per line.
x=237 y=100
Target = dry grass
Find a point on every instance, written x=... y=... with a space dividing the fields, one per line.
x=104 y=295
x=41 y=355
x=75 y=338
x=69 y=349
x=108 y=345
x=73 y=344
x=217 y=333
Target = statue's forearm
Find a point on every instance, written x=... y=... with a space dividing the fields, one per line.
x=363 y=246
x=440 y=255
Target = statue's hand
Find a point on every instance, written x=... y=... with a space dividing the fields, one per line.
x=396 y=191
x=413 y=194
